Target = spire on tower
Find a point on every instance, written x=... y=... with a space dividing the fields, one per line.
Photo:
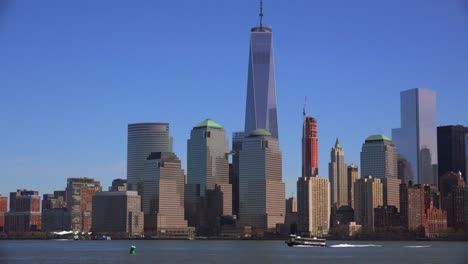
x=261 y=13
x=305 y=105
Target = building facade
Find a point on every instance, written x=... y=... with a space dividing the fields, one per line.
x=313 y=206
x=368 y=194
x=143 y=139
x=3 y=210
x=416 y=140
x=379 y=159
x=309 y=147
x=208 y=176
x=451 y=147
x=261 y=109
x=237 y=138
x=163 y=194
x=55 y=216
x=80 y=192
x=117 y=213
x=261 y=187
x=338 y=175
x=453 y=194
x=25 y=212
x=353 y=175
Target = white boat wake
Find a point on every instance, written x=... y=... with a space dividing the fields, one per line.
x=353 y=246
x=418 y=246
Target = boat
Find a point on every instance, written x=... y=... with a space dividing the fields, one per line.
x=298 y=241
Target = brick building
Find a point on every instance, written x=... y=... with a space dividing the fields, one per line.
x=436 y=222
x=80 y=192
x=24 y=214
x=3 y=210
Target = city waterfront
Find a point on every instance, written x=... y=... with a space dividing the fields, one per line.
x=231 y=252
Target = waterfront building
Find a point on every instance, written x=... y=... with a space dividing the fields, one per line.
x=290 y=221
x=453 y=194
x=261 y=109
x=368 y=194
x=55 y=216
x=416 y=140
x=344 y=215
x=338 y=175
x=379 y=159
x=3 y=210
x=143 y=139
x=451 y=147
x=415 y=199
x=386 y=216
x=261 y=187
x=314 y=206
x=80 y=192
x=435 y=224
x=237 y=138
x=118 y=185
x=25 y=213
x=209 y=194
x=353 y=175
x=117 y=213
x=163 y=195
x=309 y=146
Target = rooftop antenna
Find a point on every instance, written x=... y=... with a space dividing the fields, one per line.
x=261 y=13
x=305 y=105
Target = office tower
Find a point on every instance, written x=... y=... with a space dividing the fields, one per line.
x=416 y=140
x=386 y=216
x=314 y=208
x=261 y=187
x=25 y=213
x=3 y=210
x=452 y=187
x=379 y=159
x=209 y=194
x=117 y=213
x=163 y=194
x=144 y=138
x=237 y=138
x=309 y=147
x=291 y=216
x=55 y=216
x=368 y=194
x=352 y=177
x=118 y=185
x=404 y=169
x=80 y=192
x=451 y=147
x=261 y=110
x=338 y=175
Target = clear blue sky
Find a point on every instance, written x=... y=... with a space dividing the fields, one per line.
x=73 y=74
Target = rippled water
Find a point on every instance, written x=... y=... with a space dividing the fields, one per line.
x=231 y=252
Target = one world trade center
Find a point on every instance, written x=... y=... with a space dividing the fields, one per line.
x=261 y=109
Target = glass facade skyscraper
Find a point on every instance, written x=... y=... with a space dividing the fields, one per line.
x=261 y=109
x=416 y=140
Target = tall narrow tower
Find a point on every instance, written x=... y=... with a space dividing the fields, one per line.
x=309 y=146
x=261 y=109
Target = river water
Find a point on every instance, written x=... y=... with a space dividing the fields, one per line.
x=231 y=252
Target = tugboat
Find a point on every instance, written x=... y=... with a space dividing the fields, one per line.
x=295 y=241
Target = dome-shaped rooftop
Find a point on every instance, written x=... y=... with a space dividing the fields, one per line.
x=208 y=123
x=260 y=132
x=378 y=138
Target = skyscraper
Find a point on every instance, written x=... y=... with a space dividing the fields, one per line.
x=261 y=187
x=379 y=160
x=237 y=138
x=80 y=192
x=309 y=147
x=338 y=175
x=313 y=206
x=163 y=194
x=143 y=139
x=451 y=147
x=261 y=110
x=416 y=140
x=209 y=194
x=352 y=177
x=368 y=194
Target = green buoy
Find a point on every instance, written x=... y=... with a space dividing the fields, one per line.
x=132 y=250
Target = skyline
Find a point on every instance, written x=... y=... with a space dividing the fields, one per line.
x=61 y=108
